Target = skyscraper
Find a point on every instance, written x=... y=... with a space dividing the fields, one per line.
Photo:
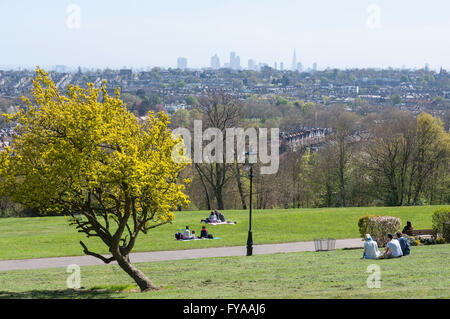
x=235 y=61
x=232 y=59
x=251 y=65
x=275 y=66
x=281 y=66
x=315 y=66
x=294 y=61
x=299 y=67
x=182 y=63
x=215 y=62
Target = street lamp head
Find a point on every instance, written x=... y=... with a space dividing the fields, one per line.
x=251 y=157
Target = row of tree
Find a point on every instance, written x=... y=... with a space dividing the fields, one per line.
x=378 y=158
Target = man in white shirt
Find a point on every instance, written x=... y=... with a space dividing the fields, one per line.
x=370 y=248
x=393 y=248
x=187 y=233
x=212 y=218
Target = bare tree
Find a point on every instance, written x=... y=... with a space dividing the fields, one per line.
x=221 y=111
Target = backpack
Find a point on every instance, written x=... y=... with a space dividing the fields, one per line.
x=210 y=236
x=178 y=236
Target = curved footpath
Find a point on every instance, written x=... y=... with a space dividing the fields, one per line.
x=38 y=263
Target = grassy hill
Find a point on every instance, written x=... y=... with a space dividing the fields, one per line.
x=333 y=274
x=22 y=238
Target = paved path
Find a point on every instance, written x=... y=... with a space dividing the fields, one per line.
x=39 y=263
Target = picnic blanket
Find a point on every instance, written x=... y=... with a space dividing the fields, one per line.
x=199 y=239
x=222 y=223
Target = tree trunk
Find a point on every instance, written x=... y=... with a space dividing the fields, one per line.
x=139 y=277
x=240 y=188
x=205 y=188
x=219 y=198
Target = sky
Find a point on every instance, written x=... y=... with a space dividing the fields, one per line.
x=148 y=33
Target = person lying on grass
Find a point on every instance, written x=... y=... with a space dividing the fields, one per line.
x=370 y=248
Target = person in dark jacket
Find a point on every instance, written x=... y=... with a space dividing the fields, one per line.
x=404 y=244
x=220 y=216
x=407 y=228
x=204 y=232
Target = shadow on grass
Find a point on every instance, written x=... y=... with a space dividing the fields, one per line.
x=352 y=248
x=60 y=294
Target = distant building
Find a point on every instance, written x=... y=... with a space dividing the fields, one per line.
x=281 y=66
x=314 y=66
x=215 y=62
x=251 y=65
x=299 y=67
x=126 y=73
x=60 y=69
x=235 y=61
x=294 y=61
x=275 y=66
x=182 y=63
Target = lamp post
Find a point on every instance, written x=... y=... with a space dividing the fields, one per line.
x=251 y=159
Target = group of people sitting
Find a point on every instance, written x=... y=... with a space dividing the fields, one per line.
x=216 y=217
x=187 y=235
x=395 y=247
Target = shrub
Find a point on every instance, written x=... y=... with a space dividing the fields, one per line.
x=440 y=217
x=379 y=227
x=440 y=240
x=427 y=241
x=362 y=224
x=446 y=232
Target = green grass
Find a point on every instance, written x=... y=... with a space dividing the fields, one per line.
x=22 y=238
x=334 y=274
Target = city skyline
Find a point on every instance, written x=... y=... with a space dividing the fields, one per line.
x=357 y=34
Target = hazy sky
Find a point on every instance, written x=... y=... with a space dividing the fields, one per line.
x=141 y=33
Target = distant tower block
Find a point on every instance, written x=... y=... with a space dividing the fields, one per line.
x=294 y=61
x=215 y=62
x=182 y=63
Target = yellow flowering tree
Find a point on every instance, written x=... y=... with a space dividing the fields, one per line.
x=82 y=153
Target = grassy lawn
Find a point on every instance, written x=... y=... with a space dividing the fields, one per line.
x=335 y=274
x=22 y=238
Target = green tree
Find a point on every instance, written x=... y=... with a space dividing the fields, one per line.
x=396 y=99
x=78 y=156
x=191 y=100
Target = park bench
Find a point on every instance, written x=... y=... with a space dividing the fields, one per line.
x=421 y=232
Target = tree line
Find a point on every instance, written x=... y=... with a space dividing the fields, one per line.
x=388 y=157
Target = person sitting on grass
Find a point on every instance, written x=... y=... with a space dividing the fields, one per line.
x=187 y=233
x=204 y=232
x=213 y=218
x=210 y=218
x=404 y=244
x=193 y=234
x=370 y=248
x=393 y=249
x=220 y=216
